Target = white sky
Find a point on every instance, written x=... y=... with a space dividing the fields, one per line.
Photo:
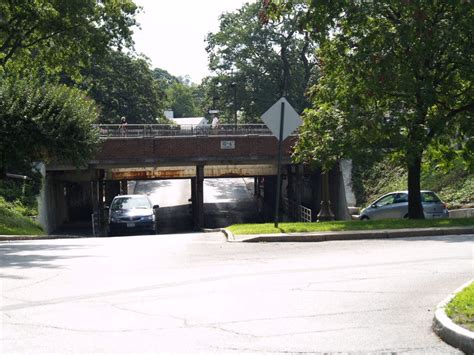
x=173 y=32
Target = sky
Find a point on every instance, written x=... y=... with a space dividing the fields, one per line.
x=172 y=33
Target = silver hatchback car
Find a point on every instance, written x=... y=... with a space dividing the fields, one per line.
x=395 y=205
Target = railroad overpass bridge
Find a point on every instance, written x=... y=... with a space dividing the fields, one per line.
x=169 y=152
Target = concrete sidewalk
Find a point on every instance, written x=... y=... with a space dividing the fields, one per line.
x=347 y=235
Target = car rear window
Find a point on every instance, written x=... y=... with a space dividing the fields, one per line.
x=129 y=203
x=429 y=197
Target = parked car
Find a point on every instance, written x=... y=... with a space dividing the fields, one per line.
x=129 y=213
x=395 y=205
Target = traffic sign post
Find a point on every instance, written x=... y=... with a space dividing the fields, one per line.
x=281 y=131
x=278 y=192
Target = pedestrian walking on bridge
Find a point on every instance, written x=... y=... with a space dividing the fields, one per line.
x=123 y=126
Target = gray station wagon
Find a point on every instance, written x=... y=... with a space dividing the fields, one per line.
x=395 y=205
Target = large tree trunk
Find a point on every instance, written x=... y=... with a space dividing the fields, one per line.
x=415 y=209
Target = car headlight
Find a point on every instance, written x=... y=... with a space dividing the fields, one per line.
x=114 y=219
x=149 y=218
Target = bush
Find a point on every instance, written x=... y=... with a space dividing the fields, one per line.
x=17 y=207
x=13 y=220
x=24 y=192
x=44 y=122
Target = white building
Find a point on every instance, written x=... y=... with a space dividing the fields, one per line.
x=190 y=121
x=169 y=114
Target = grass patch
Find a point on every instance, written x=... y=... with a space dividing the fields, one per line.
x=293 y=227
x=461 y=308
x=13 y=223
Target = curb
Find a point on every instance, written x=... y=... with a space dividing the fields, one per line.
x=228 y=234
x=347 y=235
x=450 y=332
x=293 y=237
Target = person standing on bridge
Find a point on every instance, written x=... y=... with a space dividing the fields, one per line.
x=215 y=123
x=123 y=126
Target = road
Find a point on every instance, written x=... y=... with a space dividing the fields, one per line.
x=199 y=293
x=226 y=201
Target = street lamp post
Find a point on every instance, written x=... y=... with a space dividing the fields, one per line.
x=233 y=85
x=325 y=214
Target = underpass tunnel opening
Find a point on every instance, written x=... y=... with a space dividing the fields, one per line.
x=204 y=197
x=66 y=207
x=174 y=198
x=224 y=201
x=230 y=200
x=185 y=207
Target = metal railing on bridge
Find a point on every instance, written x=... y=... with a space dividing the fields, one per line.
x=167 y=130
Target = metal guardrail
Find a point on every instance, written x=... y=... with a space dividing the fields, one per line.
x=299 y=212
x=168 y=130
x=304 y=214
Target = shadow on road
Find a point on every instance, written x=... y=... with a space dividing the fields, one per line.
x=175 y=219
x=225 y=188
x=81 y=228
x=224 y=214
x=21 y=255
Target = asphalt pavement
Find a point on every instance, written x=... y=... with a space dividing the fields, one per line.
x=196 y=292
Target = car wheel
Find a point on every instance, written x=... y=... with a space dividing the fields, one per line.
x=364 y=218
x=405 y=216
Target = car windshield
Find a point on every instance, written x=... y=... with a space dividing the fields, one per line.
x=130 y=203
x=385 y=200
x=429 y=197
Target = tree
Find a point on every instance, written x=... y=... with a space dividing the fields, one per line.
x=181 y=99
x=164 y=78
x=182 y=96
x=44 y=123
x=261 y=62
x=57 y=36
x=396 y=77
x=124 y=86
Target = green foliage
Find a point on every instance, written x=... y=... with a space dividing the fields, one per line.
x=54 y=36
x=124 y=86
x=371 y=179
x=268 y=228
x=22 y=191
x=164 y=78
x=17 y=207
x=13 y=220
x=455 y=187
x=461 y=308
x=181 y=98
x=44 y=123
x=396 y=77
x=261 y=62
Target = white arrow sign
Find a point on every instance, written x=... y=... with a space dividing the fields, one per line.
x=272 y=119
